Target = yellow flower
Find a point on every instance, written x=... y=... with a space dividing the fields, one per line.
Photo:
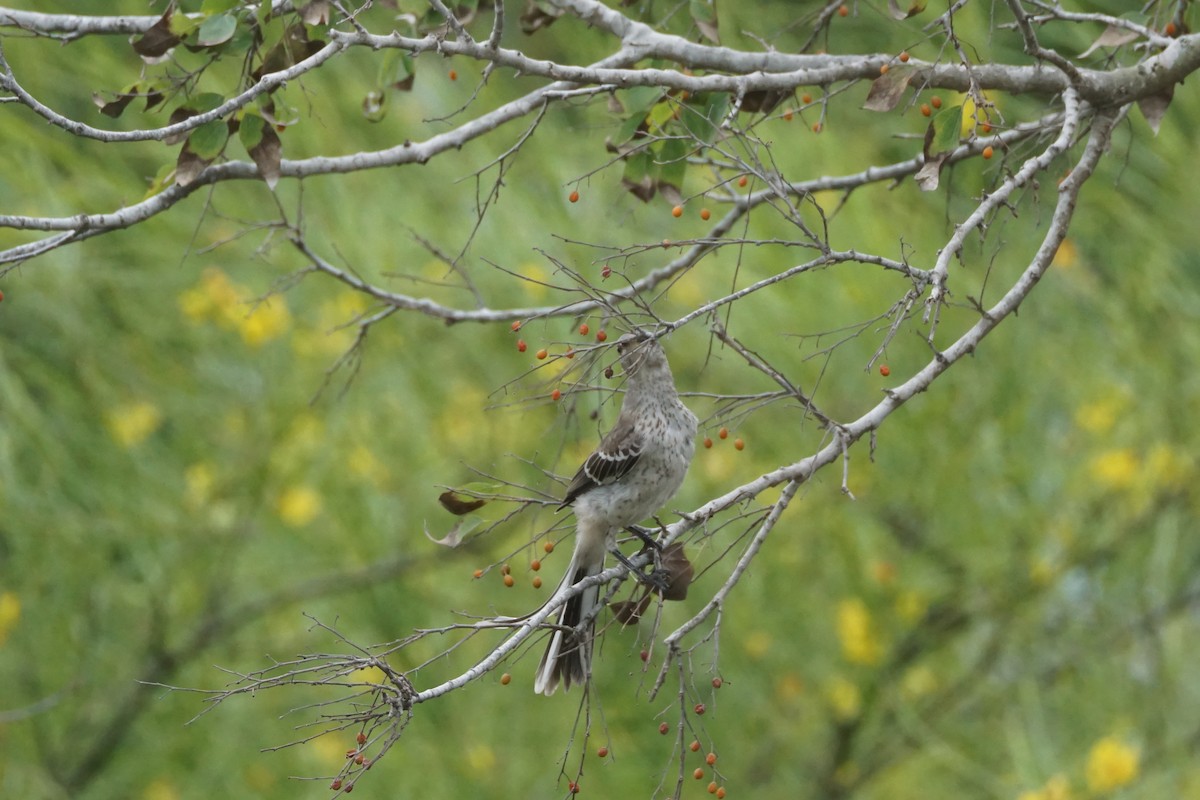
x=756 y=644
x=1115 y=469
x=130 y=424
x=160 y=789
x=1067 y=255
x=1057 y=788
x=198 y=482
x=299 y=505
x=911 y=606
x=269 y=320
x=481 y=759
x=1111 y=764
x=860 y=644
x=845 y=698
x=918 y=681
x=10 y=614
x=1101 y=415
x=363 y=464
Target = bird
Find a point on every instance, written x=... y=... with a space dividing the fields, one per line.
x=634 y=471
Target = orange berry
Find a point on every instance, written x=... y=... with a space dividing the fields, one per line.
x=351 y=753
x=721 y=793
x=602 y=752
x=705 y=214
x=699 y=708
x=738 y=444
x=935 y=101
x=548 y=547
x=663 y=728
x=925 y=110
x=985 y=128
x=988 y=152
x=1171 y=28
x=694 y=747
x=453 y=75
x=535 y=565
x=710 y=759
x=666 y=243
x=677 y=211
x=555 y=395
x=541 y=354
x=904 y=56
x=573 y=787
x=742 y=181
x=712 y=788
x=698 y=774
x=883 y=69
x=601 y=335
x=885 y=370
x=509 y=581
x=817 y=127
x=516 y=326
x=478 y=575
x=361 y=738
x=337 y=784
x=708 y=441
x=806 y=99
x=717 y=683
x=573 y=197
x=787 y=115
x=537 y=582
x=843 y=11
x=521 y=345
x=583 y=329
x=359 y=759
x=570 y=352
x=505 y=679
x=723 y=433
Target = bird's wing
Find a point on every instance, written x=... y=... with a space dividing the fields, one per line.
x=613 y=458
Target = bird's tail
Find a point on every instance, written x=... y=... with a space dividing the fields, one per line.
x=568 y=657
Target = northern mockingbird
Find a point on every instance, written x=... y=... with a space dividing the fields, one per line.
x=634 y=471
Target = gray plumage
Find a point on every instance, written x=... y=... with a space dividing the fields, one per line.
x=634 y=472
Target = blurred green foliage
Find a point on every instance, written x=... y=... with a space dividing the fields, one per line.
x=1008 y=605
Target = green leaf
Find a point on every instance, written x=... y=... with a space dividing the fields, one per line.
x=672 y=162
x=704 y=14
x=395 y=71
x=947 y=129
x=250 y=133
x=206 y=101
x=639 y=175
x=703 y=117
x=212 y=7
x=207 y=141
x=216 y=30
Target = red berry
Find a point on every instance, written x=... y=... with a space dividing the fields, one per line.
x=349 y=788
x=337 y=784
x=541 y=354
x=360 y=758
x=602 y=752
x=362 y=738
x=935 y=101
x=608 y=372
x=699 y=709
x=721 y=793
x=351 y=753
x=843 y=11
x=537 y=582
x=478 y=575
x=601 y=335
x=516 y=326
x=574 y=787
x=710 y=759
x=884 y=370
x=712 y=788
x=742 y=181
x=723 y=433
x=555 y=395
x=573 y=197
x=583 y=329
x=705 y=214
x=570 y=352
x=925 y=111
x=1 y=297
x=644 y=655
x=695 y=747
x=535 y=565
x=806 y=99
x=663 y=728
x=548 y=547
x=738 y=444
x=904 y=57
x=453 y=75
x=521 y=345
x=717 y=683
x=698 y=774
x=604 y=273
x=708 y=441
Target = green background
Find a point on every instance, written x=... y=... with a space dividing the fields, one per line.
x=184 y=474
